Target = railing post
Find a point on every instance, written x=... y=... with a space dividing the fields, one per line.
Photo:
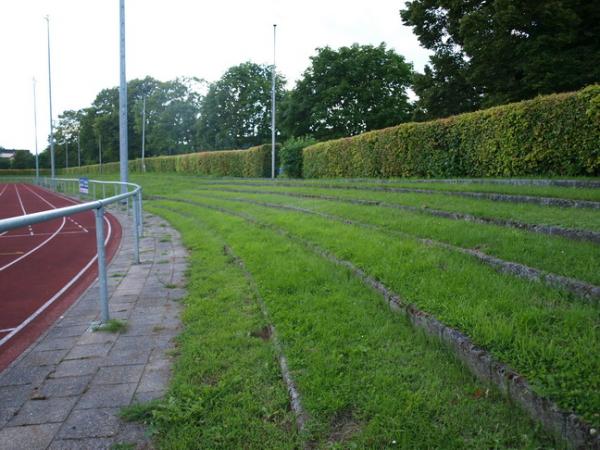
x=141 y=213
x=101 y=264
x=136 y=237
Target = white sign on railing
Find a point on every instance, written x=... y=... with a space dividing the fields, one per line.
x=84 y=185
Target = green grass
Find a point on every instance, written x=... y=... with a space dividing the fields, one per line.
x=113 y=326
x=123 y=446
x=554 y=254
x=568 y=192
x=591 y=194
x=577 y=218
x=366 y=378
x=541 y=332
x=226 y=390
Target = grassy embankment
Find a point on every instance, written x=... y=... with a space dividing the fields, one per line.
x=365 y=376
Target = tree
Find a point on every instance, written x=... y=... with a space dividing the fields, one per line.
x=348 y=91
x=503 y=50
x=444 y=89
x=66 y=135
x=236 y=111
x=172 y=109
x=23 y=159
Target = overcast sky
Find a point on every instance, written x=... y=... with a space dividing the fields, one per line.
x=166 y=39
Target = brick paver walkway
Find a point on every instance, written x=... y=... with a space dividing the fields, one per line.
x=66 y=390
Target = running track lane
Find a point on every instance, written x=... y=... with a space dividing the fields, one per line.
x=45 y=268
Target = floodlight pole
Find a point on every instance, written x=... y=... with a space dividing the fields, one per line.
x=52 y=172
x=273 y=108
x=144 y=134
x=66 y=154
x=78 y=148
x=100 y=152
x=37 y=162
x=123 y=152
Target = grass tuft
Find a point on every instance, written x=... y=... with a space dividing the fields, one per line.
x=113 y=326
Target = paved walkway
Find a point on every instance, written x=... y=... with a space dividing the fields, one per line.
x=66 y=390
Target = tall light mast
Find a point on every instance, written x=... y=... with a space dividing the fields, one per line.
x=123 y=153
x=37 y=162
x=52 y=172
x=273 y=108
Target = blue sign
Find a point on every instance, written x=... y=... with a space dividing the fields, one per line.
x=83 y=185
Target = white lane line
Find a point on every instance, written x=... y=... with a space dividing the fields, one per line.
x=81 y=227
x=40 y=245
x=42 y=308
x=6 y=330
x=23 y=209
x=65 y=198
x=3 y=190
x=42 y=234
x=36 y=248
x=40 y=197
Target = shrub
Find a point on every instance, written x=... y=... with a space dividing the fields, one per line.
x=551 y=135
x=291 y=155
x=22 y=172
x=253 y=162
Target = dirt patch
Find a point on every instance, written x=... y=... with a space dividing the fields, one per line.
x=343 y=426
x=264 y=333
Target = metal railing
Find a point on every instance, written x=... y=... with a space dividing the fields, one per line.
x=133 y=196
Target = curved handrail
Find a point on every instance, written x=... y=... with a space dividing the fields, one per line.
x=98 y=207
x=33 y=218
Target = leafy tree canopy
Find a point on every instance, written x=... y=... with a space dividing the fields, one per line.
x=348 y=91
x=172 y=109
x=23 y=159
x=236 y=112
x=494 y=52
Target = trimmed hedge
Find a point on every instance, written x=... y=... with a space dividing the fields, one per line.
x=551 y=135
x=22 y=172
x=254 y=162
x=92 y=169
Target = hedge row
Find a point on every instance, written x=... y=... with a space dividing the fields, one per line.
x=22 y=172
x=551 y=135
x=254 y=162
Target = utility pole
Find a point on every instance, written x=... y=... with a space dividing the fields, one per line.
x=52 y=172
x=37 y=162
x=100 y=152
x=66 y=154
x=78 y=148
x=273 y=108
x=123 y=153
x=144 y=134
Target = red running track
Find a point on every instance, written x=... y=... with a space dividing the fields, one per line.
x=45 y=267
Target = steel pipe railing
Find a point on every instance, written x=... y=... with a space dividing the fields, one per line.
x=134 y=193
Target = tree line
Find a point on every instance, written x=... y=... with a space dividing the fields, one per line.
x=484 y=54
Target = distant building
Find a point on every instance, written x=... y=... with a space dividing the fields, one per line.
x=6 y=153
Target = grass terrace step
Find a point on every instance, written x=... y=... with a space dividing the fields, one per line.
x=538 y=331
x=583 y=219
x=365 y=377
x=554 y=254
